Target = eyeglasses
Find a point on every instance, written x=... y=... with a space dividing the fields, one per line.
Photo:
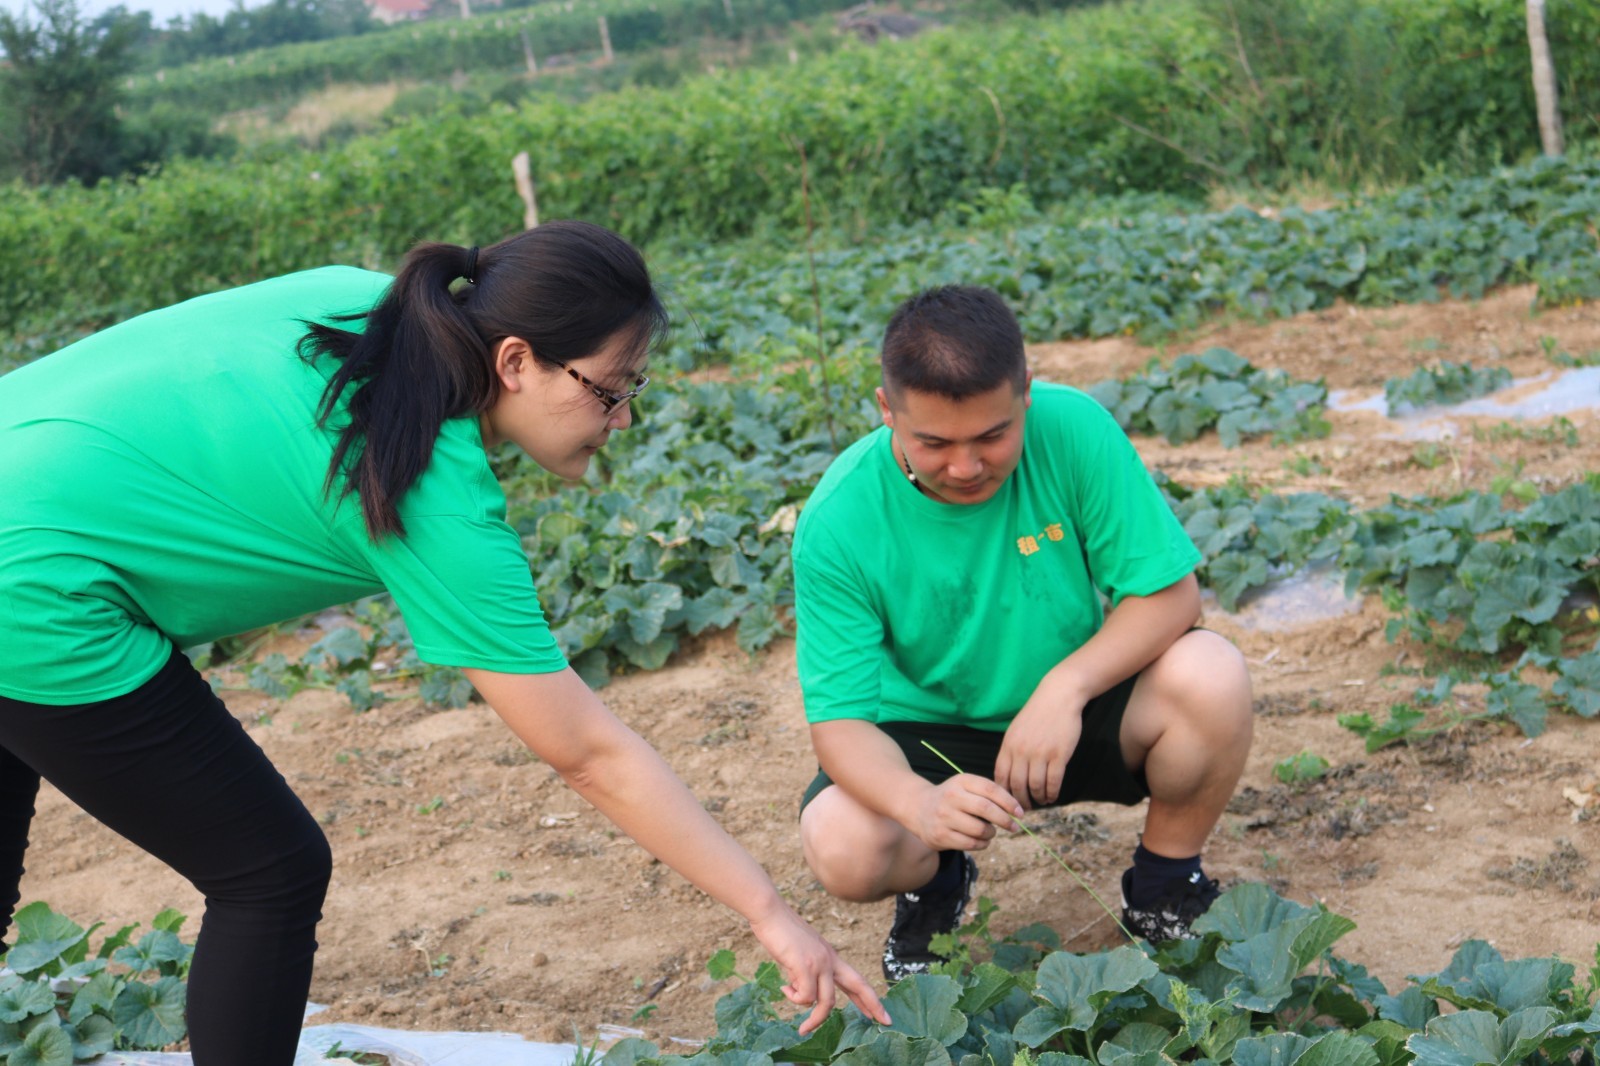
x=610 y=400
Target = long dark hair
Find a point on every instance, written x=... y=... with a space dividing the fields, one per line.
x=426 y=354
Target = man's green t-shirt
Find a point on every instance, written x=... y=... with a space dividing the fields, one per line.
x=162 y=481
x=910 y=609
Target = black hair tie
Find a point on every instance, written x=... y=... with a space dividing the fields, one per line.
x=471 y=271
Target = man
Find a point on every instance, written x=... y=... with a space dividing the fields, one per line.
x=950 y=575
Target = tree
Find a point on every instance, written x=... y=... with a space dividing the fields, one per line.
x=59 y=92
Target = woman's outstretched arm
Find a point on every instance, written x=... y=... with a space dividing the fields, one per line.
x=565 y=724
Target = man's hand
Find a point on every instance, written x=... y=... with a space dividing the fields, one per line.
x=963 y=813
x=1039 y=742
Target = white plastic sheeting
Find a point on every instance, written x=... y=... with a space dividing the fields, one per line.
x=402 y=1048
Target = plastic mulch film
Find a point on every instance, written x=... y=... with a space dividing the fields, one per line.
x=402 y=1049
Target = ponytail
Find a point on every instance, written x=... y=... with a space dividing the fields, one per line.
x=426 y=354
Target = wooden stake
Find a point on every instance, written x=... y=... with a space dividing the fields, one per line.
x=605 y=41
x=523 y=173
x=1544 y=81
x=527 y=53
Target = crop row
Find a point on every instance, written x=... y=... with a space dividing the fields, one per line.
x=1258 y=986
x=889 y=135
x=438 y=49
x=1065 y=273
x=1107 y=271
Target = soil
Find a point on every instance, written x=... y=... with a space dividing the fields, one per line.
x=474 y=891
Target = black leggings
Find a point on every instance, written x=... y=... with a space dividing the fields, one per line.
x=169 y=768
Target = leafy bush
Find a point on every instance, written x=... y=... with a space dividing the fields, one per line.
x=1216 y=388
x=891 y=134
x=1247 y=538
x=1446 y=383
x=59 y=1005
x=1237 y=995
x=1470 y=573
x=438 y=49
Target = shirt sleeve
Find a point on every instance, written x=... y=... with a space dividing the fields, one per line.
x=1134 y=544
x=465 y=590
x=838 y=634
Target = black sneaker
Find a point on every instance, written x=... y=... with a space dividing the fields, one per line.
x=918 y=918
x=1172 y=915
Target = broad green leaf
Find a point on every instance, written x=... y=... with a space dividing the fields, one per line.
x=924 y=1005
x=116 y=940
x=1389 y=1041
x=557 y=526
x=896 y=1049
x=154 y=948
x=715 y=610
x=46 y=1045
x=81 y=970
x=97 y=995
x=1507 y=987
x=651 y=656
x=1339 y=1049
x=1248 y=910
x=1075 y=987
x=1589 y=1026
x=819 y=1046
x=1464 y=965
x=1225 y=1036
x=1518 y=702
x=1266 y=965
x=721 y=965
x=1412 y=1008
x=10 y=1037
x=24 y=999
x=1000 y=1046
x=1057 y=1058
x=730 y=1057
x=1325 y=929
x=1235 y=573
x=1362 y=983
x=987 y=985
x=151 y=1015
x=1475 y=1037
x=344 y=645
x=1277 y=1049
x=93 y=1036
x=1578 y=688
x=1337 y=1003
x=631 y=1051
x=743 y=1014
x=41 y=937
x=1133 y=1042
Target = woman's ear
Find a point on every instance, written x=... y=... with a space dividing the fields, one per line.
x=512 y=360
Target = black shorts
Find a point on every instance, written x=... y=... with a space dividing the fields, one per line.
x=1095 y=772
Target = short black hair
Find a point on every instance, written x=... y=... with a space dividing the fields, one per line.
x=955 y=341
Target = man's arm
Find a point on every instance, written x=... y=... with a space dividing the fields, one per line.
x=611 y=766
x=1044 y=734
x=962 y=813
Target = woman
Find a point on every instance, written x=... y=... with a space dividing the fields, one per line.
x=248 y=457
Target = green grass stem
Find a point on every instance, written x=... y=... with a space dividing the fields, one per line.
x=1048 y=851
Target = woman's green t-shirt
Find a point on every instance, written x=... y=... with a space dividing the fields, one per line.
x=162 y=482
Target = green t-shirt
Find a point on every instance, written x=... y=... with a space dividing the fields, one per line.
x=910 y=609
x=162 y=481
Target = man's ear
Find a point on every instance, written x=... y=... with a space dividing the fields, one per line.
x=1027 y=390
x=883 y=407
x=512 y=357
